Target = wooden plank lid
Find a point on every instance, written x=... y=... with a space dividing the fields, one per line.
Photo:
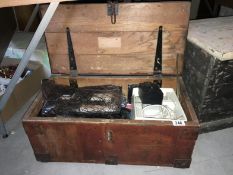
x=214 y=35
x=124 y=48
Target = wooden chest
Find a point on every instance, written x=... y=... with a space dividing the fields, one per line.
x=119 y=54
x=208 y=74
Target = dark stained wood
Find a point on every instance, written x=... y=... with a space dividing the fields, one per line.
x=209 y=83
x=216 y=125
x=109 y=141
x=141 y=145
x=186 y=103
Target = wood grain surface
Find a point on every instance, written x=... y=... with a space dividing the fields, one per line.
x=100 y=46
x=12 y=3
x=68 y=139
x=127 y=47
x=137 y=50
x=122 y=81
x=214 y=35
x=132 y=17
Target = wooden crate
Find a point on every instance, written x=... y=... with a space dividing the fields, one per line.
x=118 y=54
x=208 y=74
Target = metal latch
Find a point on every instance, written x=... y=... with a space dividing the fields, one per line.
x=112 y=10
x=109 y=136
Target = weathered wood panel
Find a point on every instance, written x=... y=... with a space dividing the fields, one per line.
x=88 y=142
x=106 y=64
x=89 y=43
x=141 y=145
x=99 y=47
x=185 y=143
x=67 y=143
x=186 y=102
x=125 y=42
x=122 y=81
x=132 y=17
x=208 y=74
x=135 y=33
x=131 y=44
x=110 y=141
x=214 y=35
x=209 y=84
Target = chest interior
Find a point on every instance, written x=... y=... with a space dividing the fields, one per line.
x=142 y=44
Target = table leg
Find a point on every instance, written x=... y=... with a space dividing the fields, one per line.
x=24 y=61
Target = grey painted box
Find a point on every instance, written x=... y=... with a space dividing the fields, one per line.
x=208 y=71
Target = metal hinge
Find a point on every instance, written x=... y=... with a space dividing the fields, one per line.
x=111 y=160
x=72 y=61
x=112 y=10
x=158 y=54
x=158 y=57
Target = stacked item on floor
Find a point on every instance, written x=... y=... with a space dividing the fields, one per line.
x=208 y=71
x=6 y=74
x=26 y=87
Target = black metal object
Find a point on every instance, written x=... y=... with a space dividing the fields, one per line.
x=72 y=61
x=112 y=9
x=150 y=93
x=182 y=163
x=158 y=57
x=158 y=54
x=130 y=91
x=158 y=82
x=111 y=160
x=4 y=136
x=43 y=157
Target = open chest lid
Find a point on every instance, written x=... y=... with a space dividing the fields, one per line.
x=128 y=47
